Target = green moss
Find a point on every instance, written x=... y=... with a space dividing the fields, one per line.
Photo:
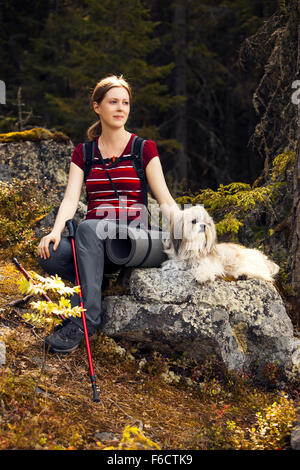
x=34 y=135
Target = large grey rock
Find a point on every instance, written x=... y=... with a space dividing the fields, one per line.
x=244 y=324
x=47 y=161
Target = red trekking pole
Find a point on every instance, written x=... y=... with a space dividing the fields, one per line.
x=71 y=228
x=28 y=277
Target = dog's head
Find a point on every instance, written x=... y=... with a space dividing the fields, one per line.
x=192 y=232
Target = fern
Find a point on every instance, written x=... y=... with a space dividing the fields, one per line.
x=49 y=312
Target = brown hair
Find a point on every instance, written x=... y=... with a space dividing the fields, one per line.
x=98 y=94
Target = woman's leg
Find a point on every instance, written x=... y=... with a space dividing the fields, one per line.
x=61 y=260
x=91 y=259
x=90 y=254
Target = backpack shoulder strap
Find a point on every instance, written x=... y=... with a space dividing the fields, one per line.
x=137 y=148
x=88 y=157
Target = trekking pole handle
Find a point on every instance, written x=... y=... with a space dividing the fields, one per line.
x=71 y=227
x=16 y=262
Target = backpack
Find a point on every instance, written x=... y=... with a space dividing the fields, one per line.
x=136 y=157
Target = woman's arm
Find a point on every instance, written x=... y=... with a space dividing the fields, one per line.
x=159 y=188
x=66 y=210
x=71 y=198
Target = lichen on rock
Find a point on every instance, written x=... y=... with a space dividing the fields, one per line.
x=243 y=324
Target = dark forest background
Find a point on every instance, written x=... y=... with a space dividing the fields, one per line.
x=213 y=82
x=193 y=85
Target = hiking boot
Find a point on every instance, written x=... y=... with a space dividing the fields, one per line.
x=67 y=338
x=61 y=325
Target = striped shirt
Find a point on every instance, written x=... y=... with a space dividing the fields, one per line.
x=102 y=199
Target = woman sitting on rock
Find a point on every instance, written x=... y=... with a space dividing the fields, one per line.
x=111 y=101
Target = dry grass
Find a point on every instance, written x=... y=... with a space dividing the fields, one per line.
x=46 y=402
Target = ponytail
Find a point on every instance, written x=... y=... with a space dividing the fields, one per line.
x=94 y=130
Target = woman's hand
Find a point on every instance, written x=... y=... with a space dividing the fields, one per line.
x=43 y=247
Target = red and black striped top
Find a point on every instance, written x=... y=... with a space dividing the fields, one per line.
x=102 y=200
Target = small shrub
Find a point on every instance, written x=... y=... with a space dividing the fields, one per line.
x=269 y=432
x=22 y=205
x=133 y=439
x=49 y=312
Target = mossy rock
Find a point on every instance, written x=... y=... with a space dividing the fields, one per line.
x=36 y=134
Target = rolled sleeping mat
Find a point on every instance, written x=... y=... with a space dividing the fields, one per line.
x=134 y=246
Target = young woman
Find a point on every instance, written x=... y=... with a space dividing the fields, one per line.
x=111 y=101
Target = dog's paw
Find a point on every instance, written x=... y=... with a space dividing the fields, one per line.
x=168 y=265
x=203 y=280
x=201 y=277
x=165 y=265
x=173 y=265
x=242 y=277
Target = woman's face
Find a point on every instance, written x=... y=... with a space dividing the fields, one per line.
x=113 y=111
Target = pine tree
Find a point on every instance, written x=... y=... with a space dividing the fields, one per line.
x=20 y=22
x=85 y=42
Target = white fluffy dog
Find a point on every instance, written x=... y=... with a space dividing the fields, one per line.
x=192 y=246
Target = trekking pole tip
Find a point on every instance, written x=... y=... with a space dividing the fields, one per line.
x=95 y=394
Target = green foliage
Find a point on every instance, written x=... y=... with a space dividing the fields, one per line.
x=22 y=205
x=270 y=429
x=281 y=164
x=48 y=312
x=134 y=439
x=230 y=203
x=7 y=122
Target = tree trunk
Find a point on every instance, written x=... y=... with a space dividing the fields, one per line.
x=295 y=248
x=179 y=47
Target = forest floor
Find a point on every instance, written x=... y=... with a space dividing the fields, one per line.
x=147 y=400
